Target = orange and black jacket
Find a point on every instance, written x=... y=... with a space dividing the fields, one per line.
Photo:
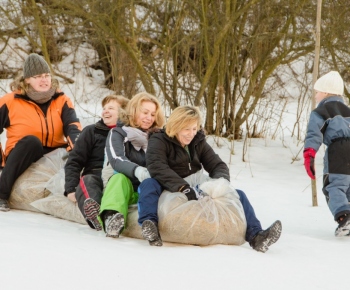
x=20 y=116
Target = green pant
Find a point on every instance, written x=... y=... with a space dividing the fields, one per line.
x=118 y=195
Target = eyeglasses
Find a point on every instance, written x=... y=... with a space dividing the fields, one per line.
x=42 y=77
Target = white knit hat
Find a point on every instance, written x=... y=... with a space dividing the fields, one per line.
x=331 y=83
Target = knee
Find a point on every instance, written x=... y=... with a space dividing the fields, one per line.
x=240 y=193
x=150 y=185
x=30 y=142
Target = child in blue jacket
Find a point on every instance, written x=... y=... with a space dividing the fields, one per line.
x=330 y=124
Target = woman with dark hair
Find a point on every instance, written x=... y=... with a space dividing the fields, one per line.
x=83 y=170
x=180 y=151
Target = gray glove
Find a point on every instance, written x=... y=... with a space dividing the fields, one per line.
x=141 y=173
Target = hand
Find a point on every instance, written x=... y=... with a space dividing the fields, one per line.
x=309 y=161
x=71 y=197
x=189 y=192
x=141 y=173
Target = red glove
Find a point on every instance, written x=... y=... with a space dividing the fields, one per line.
x=309 y=161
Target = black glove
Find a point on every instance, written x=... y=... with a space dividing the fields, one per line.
x=189 y=192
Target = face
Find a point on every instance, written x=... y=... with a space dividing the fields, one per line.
x=110 y=113
x=40 y=83
x=146 y=116
x=186 y=135
x=319 y=96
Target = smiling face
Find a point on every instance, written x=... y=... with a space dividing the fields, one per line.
x=146 y=116
x=40 y=83
x=186 y=135
x=110 y=113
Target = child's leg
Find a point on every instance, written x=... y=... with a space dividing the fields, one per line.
x=337 y=188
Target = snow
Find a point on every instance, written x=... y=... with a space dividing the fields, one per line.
x=43 y=252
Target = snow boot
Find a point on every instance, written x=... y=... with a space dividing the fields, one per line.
x=114 y=224
x=151 y=234
x=4 y=205
x=92 y=209
x=343 y=228
x=264 y=239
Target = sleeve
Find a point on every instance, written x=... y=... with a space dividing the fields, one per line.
x=115 y=149
x=71 y=124
x=212 y=162
x=77 y=159
x=4 y=114
x=314 y=137
x=158 y=166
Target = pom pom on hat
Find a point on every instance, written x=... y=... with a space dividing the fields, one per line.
x=35 y=65
x=331 y=83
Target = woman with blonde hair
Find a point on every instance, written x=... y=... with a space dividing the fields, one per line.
x=182 y=150
x=126 y=148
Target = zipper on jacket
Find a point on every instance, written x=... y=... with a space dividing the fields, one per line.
x=47 y=130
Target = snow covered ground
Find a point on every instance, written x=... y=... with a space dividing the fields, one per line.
x=43 y=252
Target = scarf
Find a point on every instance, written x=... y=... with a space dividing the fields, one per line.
x=40 y=97
x=138 y=138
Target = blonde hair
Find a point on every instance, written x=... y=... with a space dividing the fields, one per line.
x=181 y=117
x=121 y=100
x=134 y=107
x=19 y=84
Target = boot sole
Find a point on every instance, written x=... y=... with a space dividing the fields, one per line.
x=150 y=233
x=115 y=226
x=274 y=235
x=343 y=231
x=92 y=210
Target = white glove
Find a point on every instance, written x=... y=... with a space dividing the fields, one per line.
x=141 y=173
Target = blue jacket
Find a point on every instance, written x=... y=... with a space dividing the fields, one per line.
x=329 y=121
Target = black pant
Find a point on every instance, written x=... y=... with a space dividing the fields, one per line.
x=27 y=150
x=90 y=186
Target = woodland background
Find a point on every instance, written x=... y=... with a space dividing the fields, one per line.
x=237 y=59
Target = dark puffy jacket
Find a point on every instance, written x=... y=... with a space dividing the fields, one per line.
x=168 y=162
x=122 y=155
x=87 y=155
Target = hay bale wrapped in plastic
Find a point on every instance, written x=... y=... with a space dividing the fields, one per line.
x=61 y=207
x=217 y=218
x=31 y=185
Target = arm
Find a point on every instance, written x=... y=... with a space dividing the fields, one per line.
x=71 y=124
x=211 y=161
x=77 y=159
x=157 y=164
x=4 y=123
x=313 y=141
x=314 y=137
x=115 y=149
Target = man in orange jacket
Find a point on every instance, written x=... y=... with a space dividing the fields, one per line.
x=38 y=118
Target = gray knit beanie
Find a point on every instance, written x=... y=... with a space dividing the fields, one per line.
x=35 y=65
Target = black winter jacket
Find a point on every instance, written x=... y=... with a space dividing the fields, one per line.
x=87 y=155
x=168 y=162
x=122 y=155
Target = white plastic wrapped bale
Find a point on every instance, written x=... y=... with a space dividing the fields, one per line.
x=61 y=207
x=31 y=185
x=218 y=218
